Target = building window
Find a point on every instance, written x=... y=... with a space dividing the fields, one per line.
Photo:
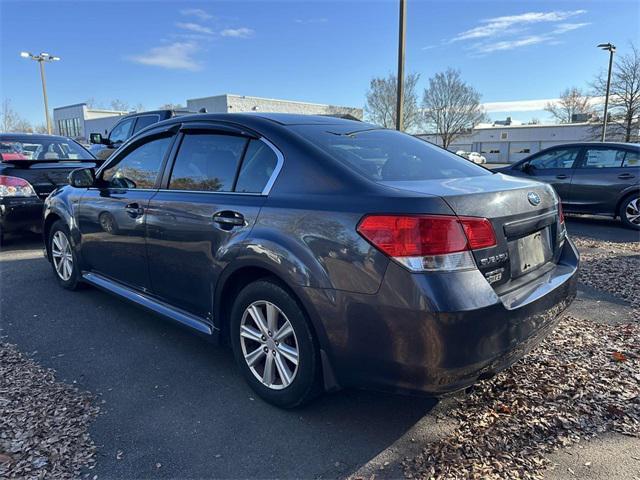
x=504 y=135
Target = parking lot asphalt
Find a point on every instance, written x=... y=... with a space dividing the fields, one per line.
x=174 y=405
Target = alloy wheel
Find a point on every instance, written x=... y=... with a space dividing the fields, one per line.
x=632 y=211
x=62 y=256
x=269 y=345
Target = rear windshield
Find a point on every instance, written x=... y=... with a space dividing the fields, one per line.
x=42 y=149
x=387 y=155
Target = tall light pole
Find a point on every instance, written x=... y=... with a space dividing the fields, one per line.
x=43 y=57
x=399 y=104
x=611 y=48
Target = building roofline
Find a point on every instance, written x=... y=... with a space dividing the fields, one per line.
x=271 y=100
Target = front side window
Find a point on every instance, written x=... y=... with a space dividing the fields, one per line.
x=387 y=155
x=207 y=162
x=121 y=131
x=560 y=158
x=603 y=158
x=257 y=167
x=139 y=167
x=145 y=121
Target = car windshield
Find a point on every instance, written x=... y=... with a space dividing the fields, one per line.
x=387 y=155
x=46 y=149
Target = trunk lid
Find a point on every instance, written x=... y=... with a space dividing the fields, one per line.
x=523 y=213
x=44 y=176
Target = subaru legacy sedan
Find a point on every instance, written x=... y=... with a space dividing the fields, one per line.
x=328 y=252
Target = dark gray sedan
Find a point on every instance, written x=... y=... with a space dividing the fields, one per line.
x=594 y=178
x=327 y=252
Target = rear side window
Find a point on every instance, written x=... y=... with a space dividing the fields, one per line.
x=603 y=158
x=631 y=159
x=138 y=168
x=207 y=162
x=258 y=166
x=388 y=155
x=145 y=121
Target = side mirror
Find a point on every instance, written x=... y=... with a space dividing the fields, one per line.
x=96 y=138
x=82 y=177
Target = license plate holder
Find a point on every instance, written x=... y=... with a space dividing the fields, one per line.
x=530 y=252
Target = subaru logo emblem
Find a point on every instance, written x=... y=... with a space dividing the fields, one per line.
x=534 y=198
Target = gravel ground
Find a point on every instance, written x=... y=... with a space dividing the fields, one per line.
x=43 y=423
x=550 y=399
x=612 y=267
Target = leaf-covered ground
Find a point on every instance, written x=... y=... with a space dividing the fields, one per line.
x=43 y=422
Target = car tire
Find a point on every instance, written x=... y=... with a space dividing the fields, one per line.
x=256 y=344
x=630 y=211
x=63 y=258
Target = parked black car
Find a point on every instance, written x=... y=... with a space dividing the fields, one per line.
x=595 y=178
x=31 y=167
x=328 y=252
x=127 y=127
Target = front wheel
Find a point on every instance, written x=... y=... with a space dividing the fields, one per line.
x=274 y=346
x=630 y=211
x=63 y=258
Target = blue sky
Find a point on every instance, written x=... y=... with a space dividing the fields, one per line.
x=156 y=52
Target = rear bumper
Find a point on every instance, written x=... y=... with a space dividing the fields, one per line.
x=20 y=214
x=436 y=334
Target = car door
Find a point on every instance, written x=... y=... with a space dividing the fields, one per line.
x=602 y=174
x=554 y=166
x=211 y=198
x=111 y=217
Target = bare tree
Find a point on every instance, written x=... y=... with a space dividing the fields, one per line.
x=119 y=105
x=624 y=96
x=451 y=106
x=11 y=121
x=171 y=106
x=571 y=102
x=381 y=102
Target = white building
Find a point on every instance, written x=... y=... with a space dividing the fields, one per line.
x=229 y=103
x=510 y=143
x=78 y=121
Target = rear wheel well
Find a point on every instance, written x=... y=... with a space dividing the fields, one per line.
x=48 y=223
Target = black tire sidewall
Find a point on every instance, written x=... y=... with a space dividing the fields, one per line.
x=74 y=281
x=623 y=208
x=305 y=384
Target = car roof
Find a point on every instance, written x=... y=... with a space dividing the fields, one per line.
x=279 y=118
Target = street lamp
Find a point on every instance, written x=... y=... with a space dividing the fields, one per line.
x=611 y=48
x=43 y=57
x=399 y=89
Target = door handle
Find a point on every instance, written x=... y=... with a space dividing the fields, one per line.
x=562 y=176
x=228 y=219
x=625 y=176
x=134 y=210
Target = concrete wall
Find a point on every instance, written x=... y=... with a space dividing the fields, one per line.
x=239 y=103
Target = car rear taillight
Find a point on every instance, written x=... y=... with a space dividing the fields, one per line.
x=428 y=242
x=15 y=187
x=560 y=213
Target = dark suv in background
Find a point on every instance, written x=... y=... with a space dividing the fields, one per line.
x=593 y=178
x=328 y=252
x=126 y=128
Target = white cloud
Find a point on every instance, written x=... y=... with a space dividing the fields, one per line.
x=510 y=44
x=242 y=32
x=175 y=56
x=194 y=27
x=567 y=27
x=311 y=20
x=196 y=12
x=497 y=26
